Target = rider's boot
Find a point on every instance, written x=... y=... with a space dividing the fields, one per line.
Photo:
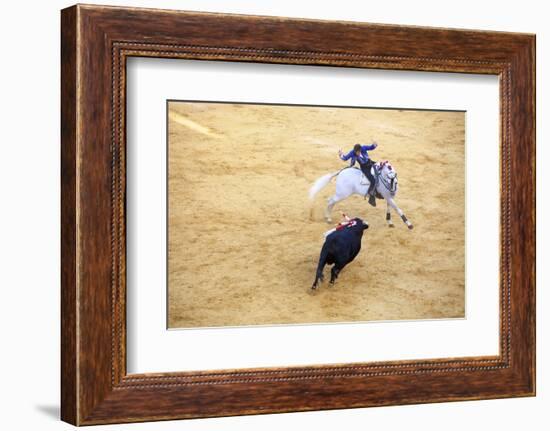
x=372 y=198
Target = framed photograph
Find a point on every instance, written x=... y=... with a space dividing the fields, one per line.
x=263 y=214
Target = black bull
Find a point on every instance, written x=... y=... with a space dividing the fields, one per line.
x=340 y=248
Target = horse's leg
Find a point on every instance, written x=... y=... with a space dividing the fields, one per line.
x=331 y=202
x=388 y=215
x=392 y=203
x=343 y=191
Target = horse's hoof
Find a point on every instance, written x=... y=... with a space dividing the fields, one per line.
x=410 y=226
x=391 y=225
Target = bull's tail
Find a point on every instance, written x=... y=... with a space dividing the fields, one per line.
x=320 y=267
x=320 y=184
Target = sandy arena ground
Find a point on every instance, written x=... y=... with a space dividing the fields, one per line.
x=242 y=249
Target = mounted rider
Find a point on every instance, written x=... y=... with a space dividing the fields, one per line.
x=361 y=155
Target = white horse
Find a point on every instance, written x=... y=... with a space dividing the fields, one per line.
x=349 y=182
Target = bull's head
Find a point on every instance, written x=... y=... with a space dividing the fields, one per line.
x=362 y=223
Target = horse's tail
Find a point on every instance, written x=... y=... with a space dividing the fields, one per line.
x=321 y=183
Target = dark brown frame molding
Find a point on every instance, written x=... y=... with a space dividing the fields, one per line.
x=95 y=43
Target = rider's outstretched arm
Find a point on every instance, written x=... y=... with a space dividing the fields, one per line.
x=346 y=156
x=370 y=147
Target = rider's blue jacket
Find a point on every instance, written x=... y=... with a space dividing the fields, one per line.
x=363 y=157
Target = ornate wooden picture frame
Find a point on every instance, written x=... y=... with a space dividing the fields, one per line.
x=96 y=42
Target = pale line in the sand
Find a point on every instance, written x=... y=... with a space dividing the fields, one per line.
x=327 y=146
x=190 y=124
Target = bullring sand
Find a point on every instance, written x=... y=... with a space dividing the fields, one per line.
x=243 y=245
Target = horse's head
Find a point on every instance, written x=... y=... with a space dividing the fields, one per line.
x=387 y=170
x=389 y=176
